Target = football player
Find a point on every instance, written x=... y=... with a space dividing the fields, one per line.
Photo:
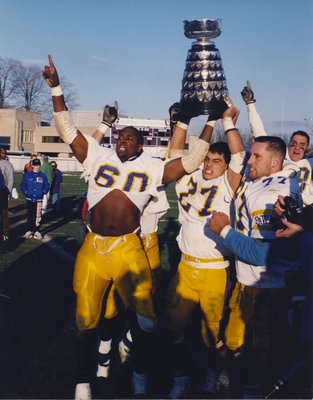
x=202 y=276
x=121 y=182
x=259 y=303
x=297 y=148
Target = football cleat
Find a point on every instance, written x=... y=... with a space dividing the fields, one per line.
x=139 y=382
x=82 y=391
x=38 y=235
x=180 y=388
x=28 y=235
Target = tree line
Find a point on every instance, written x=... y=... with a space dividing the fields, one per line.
x=22 y=87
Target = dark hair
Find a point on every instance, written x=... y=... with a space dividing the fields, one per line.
x=136 y=131
x=301 y=133
x=221 y=148
x=275 y=144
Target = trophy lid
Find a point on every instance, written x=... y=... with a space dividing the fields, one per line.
x=204 y=28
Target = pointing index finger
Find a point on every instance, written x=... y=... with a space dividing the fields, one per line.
x=50 y=60
x=248 y=85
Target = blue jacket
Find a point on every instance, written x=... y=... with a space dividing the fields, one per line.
x=34 y=186
x=58 y=178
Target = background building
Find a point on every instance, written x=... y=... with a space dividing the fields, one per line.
x=23 y=132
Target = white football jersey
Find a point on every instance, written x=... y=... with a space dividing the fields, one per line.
x=254 y=217
x=153 y=211
x=305 y=181
x=138 y=178
x=197 y=198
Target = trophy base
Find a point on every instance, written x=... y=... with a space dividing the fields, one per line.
x=214 y=108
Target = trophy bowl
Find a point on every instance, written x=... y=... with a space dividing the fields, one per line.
x=204 y=28
x=204 y=83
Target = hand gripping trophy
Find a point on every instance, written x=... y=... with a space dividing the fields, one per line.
x=204 y=83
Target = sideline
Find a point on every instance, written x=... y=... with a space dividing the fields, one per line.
x=57 y=249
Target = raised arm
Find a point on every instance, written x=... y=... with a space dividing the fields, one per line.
x=253 y=116
x=235 y=168
x=186 y=164
x=67 y=132
x=110 y=114
x=179 y=125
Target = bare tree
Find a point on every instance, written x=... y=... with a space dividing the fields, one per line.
x=31 y=91
x=8 y=68
x=71 y=98
x=219 y=135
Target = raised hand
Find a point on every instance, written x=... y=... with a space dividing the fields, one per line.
x=247 y=94
x=176 y=115
x=110 y=114
x=231 y=111
x=50 y=74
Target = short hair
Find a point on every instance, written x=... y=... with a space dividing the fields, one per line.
x=275 y=144
x=136 y=131
x=45 y=158
x=53 y=163
x=33 y=155
x=301 y=133
x=221 y=148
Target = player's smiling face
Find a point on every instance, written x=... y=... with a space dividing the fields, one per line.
x=127 y=145
x=297 y=147
x=260 y=161
x=214 y=166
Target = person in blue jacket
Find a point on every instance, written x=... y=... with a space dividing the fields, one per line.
x=34 y=185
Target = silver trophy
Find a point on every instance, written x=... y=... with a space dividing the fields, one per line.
x=204 y=84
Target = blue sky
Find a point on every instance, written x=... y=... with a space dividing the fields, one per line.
x=135 y=51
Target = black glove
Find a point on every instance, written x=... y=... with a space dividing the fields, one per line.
x=110 y=114
x=214 y=116
x=247 y=94
x=176 y=115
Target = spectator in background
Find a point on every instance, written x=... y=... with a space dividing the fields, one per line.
x=34 y=185
x=6 y=186
x=55 y=187
x=47 y=169
x=28 y=167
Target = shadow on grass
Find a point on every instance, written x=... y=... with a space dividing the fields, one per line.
x=38 y=317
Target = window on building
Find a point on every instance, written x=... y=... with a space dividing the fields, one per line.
x=28 y=136
x=51 y=139
x=4 y=140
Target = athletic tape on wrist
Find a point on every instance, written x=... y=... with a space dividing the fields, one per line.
x=211 y=123
x=104 y=128
x=196 y=156
x=56 y=91
x=228 y=124
x=182 y=125
x=65 y=126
